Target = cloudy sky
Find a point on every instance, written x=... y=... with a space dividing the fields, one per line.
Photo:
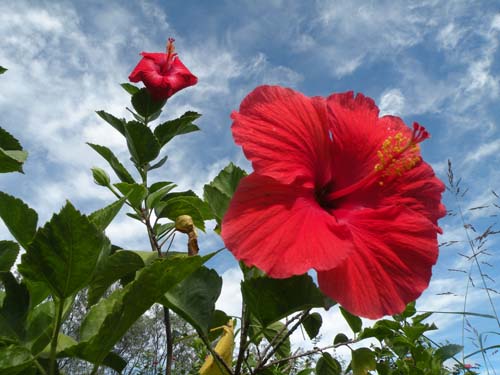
x=434 y=62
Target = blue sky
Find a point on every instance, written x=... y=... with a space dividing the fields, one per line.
x=434 y=62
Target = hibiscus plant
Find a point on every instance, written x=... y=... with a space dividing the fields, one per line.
x=335 y=189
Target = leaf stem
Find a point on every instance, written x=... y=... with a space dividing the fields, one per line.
x=55 y=335
x=170 y=346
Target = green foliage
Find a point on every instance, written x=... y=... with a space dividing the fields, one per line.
x=131 y=89
x=118 y=124
x=64 y=252
x=354 y=322
x=273 y=299
x=12 y=155
x=109 y=319
x=142 y=144
x=20 y=219
x=144 y=104
x=14 y=310
x=186 y=203
x=118 y=167
x=219 y=192
x=2 y=70
x=194 y=298
x=312 y=324
x=8 y=255
x=327 y=365
x=363 y=360
x=104 y=216
x=135 y=193
x=166 y=131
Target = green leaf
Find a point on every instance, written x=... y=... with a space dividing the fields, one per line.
x=64 y=252
x=312 y=324
x=19 y=218
x=14 y=310
x=15 y=360
x=8 y=255
x=159 y=164
x=419 y=318
x=363 y=360
x=273 y=299
x=202 y=206
x=340 y=338
x=110 y=270
x=410 y=310
x=219 y=192
x=414 y=332
x=155 y=196
x=448 y=351
x=144 y=104
x=194 y=298
x=104 y=216
x=109 y=320
x=327 y=365
x=219 y=318
x=117 y=123
x=354 y=322
x=135 y=193
x=8 y=142
x=2 y=70
x=113 y=161
x=39 y=326
x=182 y=125
x=275 y=333
x=8 y=163
x=182 y=205
x=131 y=89
x=141 y=142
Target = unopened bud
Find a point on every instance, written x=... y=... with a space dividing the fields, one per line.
x=184 y=223
x=100 y=176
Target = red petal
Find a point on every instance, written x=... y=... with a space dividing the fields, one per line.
x=285 y=134
x=390 y=266
x=148 y=64
x=357 y=137
x=281 y=229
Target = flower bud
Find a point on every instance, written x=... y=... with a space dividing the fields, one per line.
x=184 y=223
x=100 y=176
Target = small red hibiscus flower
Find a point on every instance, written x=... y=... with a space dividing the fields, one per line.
x=163 y=74
x=338 y=189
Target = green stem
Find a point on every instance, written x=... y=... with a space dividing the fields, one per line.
x=41 y=370
x=55 y=335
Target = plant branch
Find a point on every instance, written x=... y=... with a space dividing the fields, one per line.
x=245 y=323
x=170 y=346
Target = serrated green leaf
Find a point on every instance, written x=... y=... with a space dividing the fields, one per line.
x=64 y=252
x=8 y=142
x=9 y=164
x=448 y=351
x=194 y=298
x=104 y=216
x=203 y=207
x=131 y=89
x=182 y=205
x=354 y=321
x=120 y=170
x=144 y=104
x=14 y=310
x=141 y=142
x=363 y=360
x=410 y=310
x=110 y=319
x=115 y=122
x=19 y=218
x=155 y=196
x=182 y=125
x=110 y=270
x=273 y=299
x=219 y=192
x=135 y=193
x=312 y=324
x=419 y=318
x=8 y=255
x=2 y=70
x=327 y=365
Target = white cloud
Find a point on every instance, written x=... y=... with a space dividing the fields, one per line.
x=392 y=102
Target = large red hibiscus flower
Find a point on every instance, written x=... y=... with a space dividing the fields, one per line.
x=163 y=74
x=338 y=189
